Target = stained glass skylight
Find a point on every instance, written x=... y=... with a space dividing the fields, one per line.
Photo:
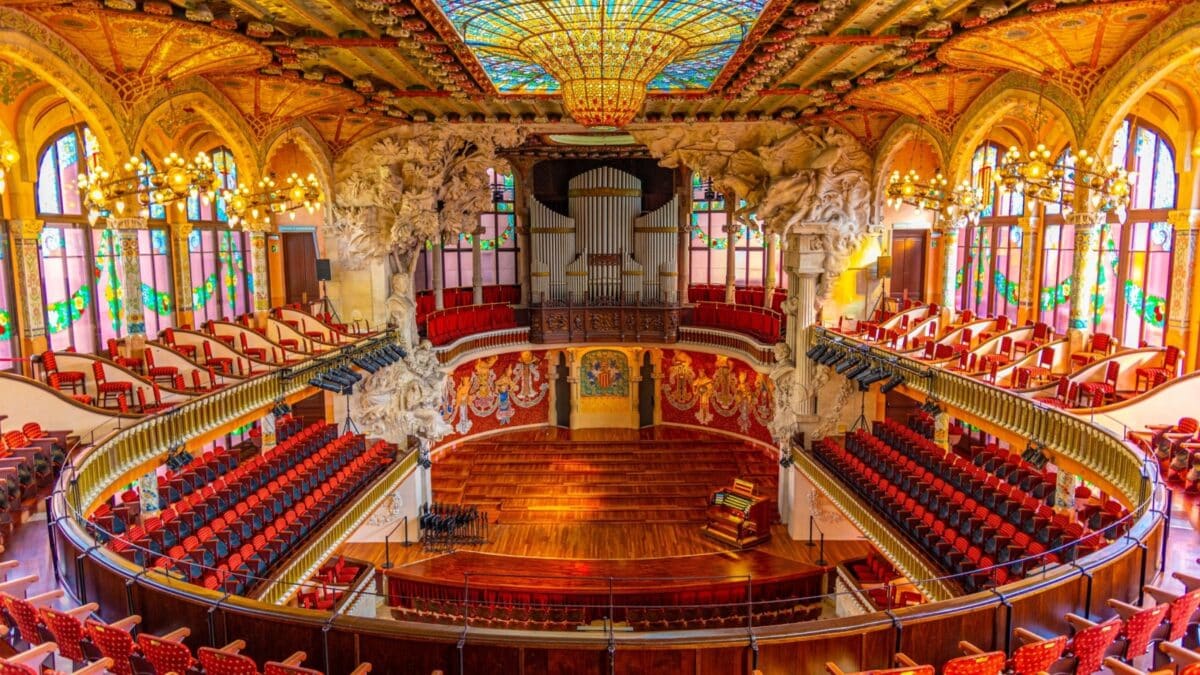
x=519 y=42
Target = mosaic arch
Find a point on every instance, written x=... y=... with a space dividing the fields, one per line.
x=497 y=31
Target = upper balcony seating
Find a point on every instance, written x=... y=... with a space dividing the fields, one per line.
x=1177 y=449
x=763 y=324
x=1156 y=375
x=459 y=297
x=1099 y=346
x=753 y=295
x=448 y=325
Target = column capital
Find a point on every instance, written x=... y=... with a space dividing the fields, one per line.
x=127 y=223
x=26 y=228
x=1086 y=219
x=805 y=253
x=182 y=230
x=1184 y=219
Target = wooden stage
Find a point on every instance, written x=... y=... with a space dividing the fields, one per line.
x=592 y=488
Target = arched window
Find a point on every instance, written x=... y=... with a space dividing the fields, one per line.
x=221 y=283
x=67 y=261
x=1134 y=281
x=990 y=251
x=498 y=247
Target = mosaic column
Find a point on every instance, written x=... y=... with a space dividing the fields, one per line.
x=477 y=266
x=26 y=234
x=1185 y=224
x=521 y=195
x=731 y=236
x=1064 y=491
x=941 y=430
x=259 y=276
x=683 y=252
x=1084 y=274
x=181 y=268
x=439 y=301
x=947 y=239
x=770 y=282
x=1031 y=236
x=126 y=237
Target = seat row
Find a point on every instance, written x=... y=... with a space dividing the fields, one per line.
x=754 y=295
x=449 y=325
x=1166 y=628
x=762 y=324
x=93 y=647
x=1176 y=447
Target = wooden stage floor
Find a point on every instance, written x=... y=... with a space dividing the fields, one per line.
x=599 y=548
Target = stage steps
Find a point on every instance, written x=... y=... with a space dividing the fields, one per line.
x=594 y=481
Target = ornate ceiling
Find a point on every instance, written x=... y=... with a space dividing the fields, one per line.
x=354 y=67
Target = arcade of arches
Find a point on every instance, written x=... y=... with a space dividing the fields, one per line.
x=686 y=388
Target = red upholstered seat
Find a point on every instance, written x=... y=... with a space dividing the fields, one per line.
x=1041 y=333
x=1100 y=346
x=218 y=662
x=1166 y=371
x=109 y=390
x=66 y=378
x=222 y=363
x=1088 y=645
x=115 y=643
x=165 y=374
x=114 y=353
x=975 y=664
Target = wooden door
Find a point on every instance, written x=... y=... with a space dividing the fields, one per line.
x=908 y=263
x=300 y=266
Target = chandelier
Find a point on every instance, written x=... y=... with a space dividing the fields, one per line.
x=8 y=159
x=253 y=208
x=137 y=185
x=1035 y=176
x=963 y=200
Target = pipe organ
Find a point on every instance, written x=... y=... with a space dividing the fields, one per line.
x=606 y=251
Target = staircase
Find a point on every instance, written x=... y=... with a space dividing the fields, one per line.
x=659 y=481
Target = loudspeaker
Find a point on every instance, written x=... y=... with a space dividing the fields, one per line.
x=883 y=267
x=323 y=271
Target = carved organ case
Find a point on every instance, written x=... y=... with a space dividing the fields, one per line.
x=606 y=251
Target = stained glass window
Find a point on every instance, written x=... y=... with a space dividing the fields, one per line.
x=199 y=208
x=221 y=281
x=498 y=248
x=8 y=323
x=504 y=34
x=154 y=255
x=1136 y=258
x=68 y=275
x=1054 y=302
x=990 y=252
x=709 y=239
x=206 y=286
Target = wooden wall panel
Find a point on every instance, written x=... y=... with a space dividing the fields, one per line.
x=300 y=266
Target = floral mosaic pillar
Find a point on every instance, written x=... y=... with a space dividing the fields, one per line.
x=941 y=430
x=439 y=276
x=28 y=258
x=947 y=231
x=258 y=271
x=1083 y=275
x=131 y=275
x=477 y=266
x=731 y=237
x=1185 y=224
x=181 y=266
x=1064 y=491
x=771 y=281
x=1031 y=237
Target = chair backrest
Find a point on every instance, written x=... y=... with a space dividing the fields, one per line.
x=1006 y=345
x=1064 y=388
x=1089 y=645
x=1002 y=322
x=1046 y=358
x=167 y=656
x=1111 y=372
x=114 y=643
x=1171 y=358
x=1182 y=609
x=26 y=615
x=1101 y=342
x=928 y=353
x=1037 y=657
x=113 y=350
x=1140 y=626
x=1041 y=331
x=98 y=372
x=217 y=662
x=975 y=664
x=965 y=338
x=68 y=633
x=49 y=362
